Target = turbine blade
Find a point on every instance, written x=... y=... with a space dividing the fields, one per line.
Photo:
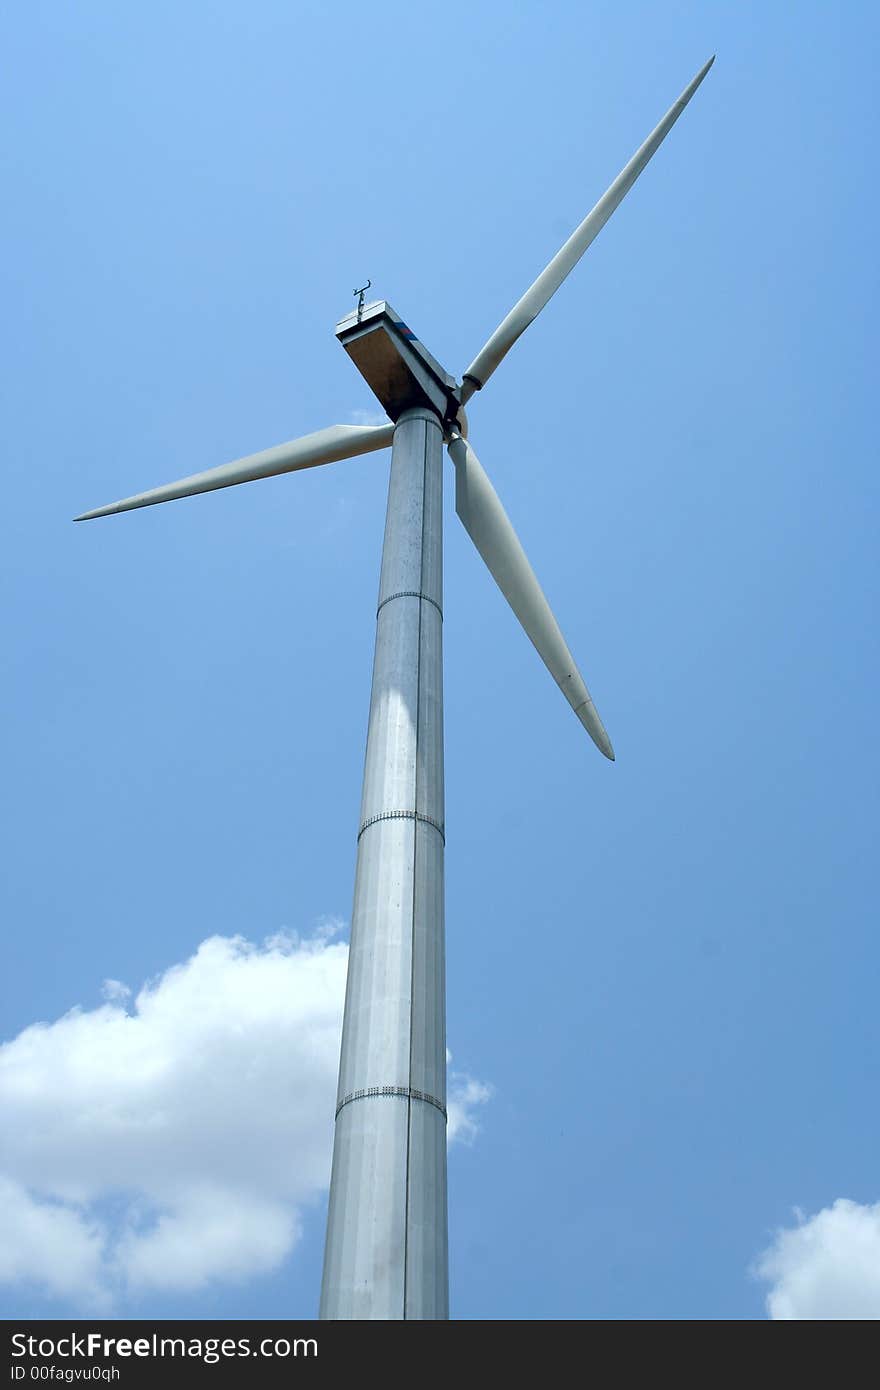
x=548 y=282
x=486 y=522
x=324 y=446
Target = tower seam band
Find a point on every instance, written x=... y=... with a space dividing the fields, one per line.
x=404 y=815
x=409 y=593
x=405 y=1092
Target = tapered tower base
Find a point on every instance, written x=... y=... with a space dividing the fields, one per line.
x=386 y=1251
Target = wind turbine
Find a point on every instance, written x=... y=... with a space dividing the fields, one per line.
x=386 y=1248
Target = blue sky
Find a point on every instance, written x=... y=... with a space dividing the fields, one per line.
x=664 y=969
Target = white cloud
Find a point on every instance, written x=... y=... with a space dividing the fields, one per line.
x=46 y=1243
x=210 y=1233
x=369 y=417
x=825 y=1267
x=464 y=1094
x=115 y=990
x=175 y=1141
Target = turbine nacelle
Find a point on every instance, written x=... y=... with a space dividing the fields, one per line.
x=398 y=369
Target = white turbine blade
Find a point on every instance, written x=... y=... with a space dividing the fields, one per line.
x=548 y=282
x=324 y=446
x=486 y=522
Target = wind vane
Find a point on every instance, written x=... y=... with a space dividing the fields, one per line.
x=386 y=1250
x=360 y=294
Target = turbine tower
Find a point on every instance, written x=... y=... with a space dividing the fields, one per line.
x=386 y=1249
